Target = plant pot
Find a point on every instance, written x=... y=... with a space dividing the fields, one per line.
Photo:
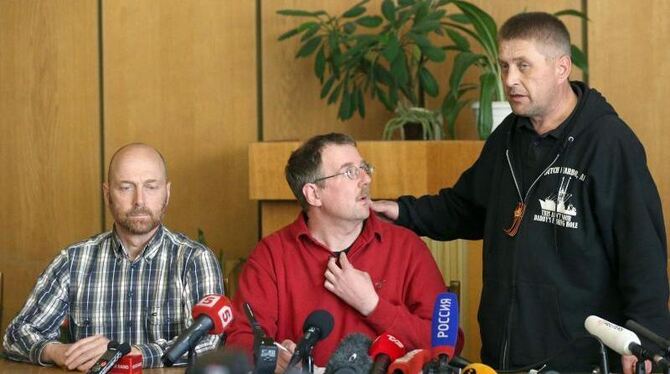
x=501 y=109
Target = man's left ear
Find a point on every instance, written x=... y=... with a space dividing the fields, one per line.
x=564 y=67
x=167 y=198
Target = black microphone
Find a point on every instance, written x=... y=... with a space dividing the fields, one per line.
x=317 y=326
x=656 y=339
x=351 y=356
x=211 y=315
x=265 y=350
x=107 y=361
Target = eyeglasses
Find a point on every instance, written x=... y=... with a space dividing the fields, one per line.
x=351 y=172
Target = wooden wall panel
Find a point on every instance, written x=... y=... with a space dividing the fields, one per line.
x=49 y=142
x=629 y=65
x=182 y=76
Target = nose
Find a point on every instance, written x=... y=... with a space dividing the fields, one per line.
x=510 y=76
x=139 y=197
x=366 y=178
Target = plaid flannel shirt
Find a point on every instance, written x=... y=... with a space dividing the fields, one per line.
x=146 y=302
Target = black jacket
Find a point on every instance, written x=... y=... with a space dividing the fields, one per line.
x=592 y=240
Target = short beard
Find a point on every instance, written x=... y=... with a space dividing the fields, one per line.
x=138 y=227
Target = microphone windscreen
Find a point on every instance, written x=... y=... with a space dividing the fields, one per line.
x=351 y=356
x=218 y=308
x=411 y=363
x=387 y=344
x=478 y=368
x=320 y=319
x=444 y=328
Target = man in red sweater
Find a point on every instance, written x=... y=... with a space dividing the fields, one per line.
x=372 y=276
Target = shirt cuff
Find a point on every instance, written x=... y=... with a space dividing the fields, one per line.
x=151 y=355
x=36 y=352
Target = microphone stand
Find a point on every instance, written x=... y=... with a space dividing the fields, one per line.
x=640 y=366
x=604 y=366
x=192 y=355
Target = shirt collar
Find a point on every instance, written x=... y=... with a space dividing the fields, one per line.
x=149 y=251
x=371 y=228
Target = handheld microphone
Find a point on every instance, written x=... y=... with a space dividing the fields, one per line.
x=411 y=363
x=211 y=315
x=107 y=361
x=444 y=332
x=619 y=339
x=317 y=326
x=351 y=356
x=384 y=350
x=477 y=368
x=656 y=339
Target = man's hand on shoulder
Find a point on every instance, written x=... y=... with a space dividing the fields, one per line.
x=386 y=209
x=351 y=285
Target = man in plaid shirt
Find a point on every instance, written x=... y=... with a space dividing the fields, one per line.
x=135 y=284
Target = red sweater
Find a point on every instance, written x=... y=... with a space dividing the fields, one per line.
x=284 y=276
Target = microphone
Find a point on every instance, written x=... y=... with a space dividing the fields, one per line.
x=265 y=350
x=317 y=326
x=477 y=368
x=384 y=350
x=444 y=332
x=619 y=339
x=411 y=363
x=211 y=315
x=656 y=339
x=351 y=356
x=114 y=353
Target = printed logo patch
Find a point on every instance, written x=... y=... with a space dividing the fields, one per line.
x=556 y=208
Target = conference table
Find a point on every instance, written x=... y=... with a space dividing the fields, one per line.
x=11 y=367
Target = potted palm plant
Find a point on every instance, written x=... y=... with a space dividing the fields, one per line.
x=481 y=28
x=385 y=57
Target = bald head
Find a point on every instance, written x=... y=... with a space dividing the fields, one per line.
x=136 y=152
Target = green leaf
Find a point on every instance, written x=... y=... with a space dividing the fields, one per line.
x=327 y=86
x=335 y=94
x=485 y=118
x=320 y=64
x=405 y=3
x=399 y=69
x=312 y=28
x=579 y=59
x=434 y=54
x=426 y=26
x=392 y=48
x=462 y=62
x=354 y=12
x=484 y=25
x=458 y=39
x=288 y=34
x=460 y=18
x=420 y=11
x=571 y=12
x=361 y=102
x=420 y=40
x=309 y=47
x=345 y=113
x=428 y=82
x=369 y=21
x=388 y=10
x=300 y=13
x=349 y=27
x=384 y=99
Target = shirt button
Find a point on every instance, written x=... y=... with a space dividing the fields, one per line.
x=130 y=293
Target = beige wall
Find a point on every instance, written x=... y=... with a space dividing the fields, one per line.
x=183 y=76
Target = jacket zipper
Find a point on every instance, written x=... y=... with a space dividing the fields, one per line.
x=504 y=359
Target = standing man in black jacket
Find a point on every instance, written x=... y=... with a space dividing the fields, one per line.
x=570 y=216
